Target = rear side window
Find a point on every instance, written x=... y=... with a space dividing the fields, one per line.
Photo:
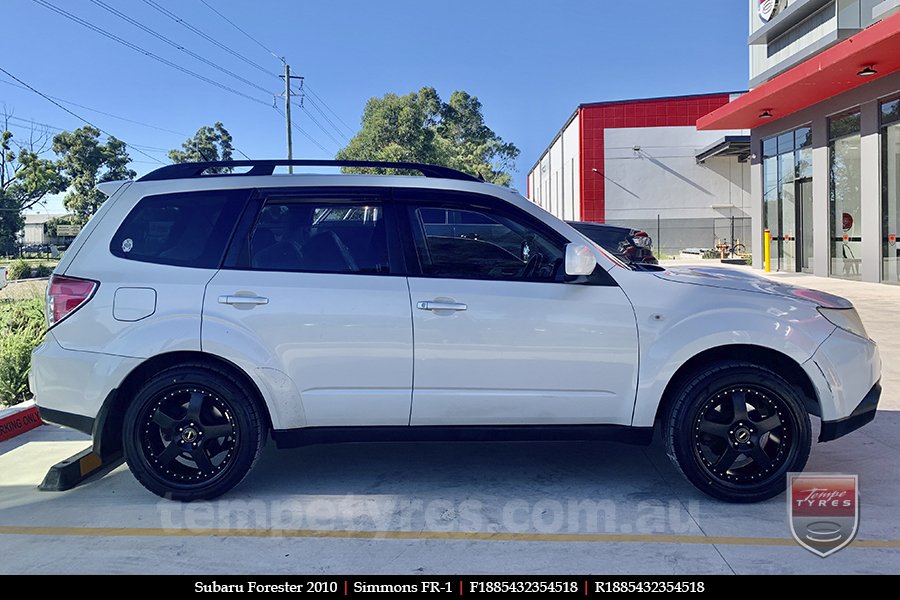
x=320 y=236
x=188 y=229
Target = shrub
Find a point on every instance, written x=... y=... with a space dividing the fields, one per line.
x=42 y=271
x=19 y=269
x=21 y=330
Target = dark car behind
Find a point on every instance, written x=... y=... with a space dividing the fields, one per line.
x=630 y=245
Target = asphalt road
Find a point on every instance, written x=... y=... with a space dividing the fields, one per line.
x=554 y=507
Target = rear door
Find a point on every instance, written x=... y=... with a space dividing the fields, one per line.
x=311 y=289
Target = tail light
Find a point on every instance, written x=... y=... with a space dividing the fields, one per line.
x=65 y=295
x=642 y=239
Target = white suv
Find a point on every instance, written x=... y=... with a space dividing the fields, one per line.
x=196 y=314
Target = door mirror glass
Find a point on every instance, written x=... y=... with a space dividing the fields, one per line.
x=579 y=260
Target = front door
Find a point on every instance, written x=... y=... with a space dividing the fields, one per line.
x=313 y=293
x=500 y=337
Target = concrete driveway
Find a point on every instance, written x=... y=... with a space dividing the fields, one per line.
x=555 y=507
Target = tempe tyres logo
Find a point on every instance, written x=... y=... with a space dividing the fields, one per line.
x=823 y=509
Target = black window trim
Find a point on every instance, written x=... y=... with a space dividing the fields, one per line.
x=456 y=200
x=264 y=195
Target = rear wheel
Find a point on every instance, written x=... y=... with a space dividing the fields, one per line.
x=192 y=432
x=736 y=429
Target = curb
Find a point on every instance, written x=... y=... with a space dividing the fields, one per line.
x=19 y=419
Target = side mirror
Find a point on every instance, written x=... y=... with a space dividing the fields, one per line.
x=580 y=260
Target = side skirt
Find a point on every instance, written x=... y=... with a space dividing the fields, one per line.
x=305 y=436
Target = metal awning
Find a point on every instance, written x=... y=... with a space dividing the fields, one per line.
x=869 y=55
x=730 y=145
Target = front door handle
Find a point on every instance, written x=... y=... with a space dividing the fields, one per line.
x=436 y=305
x=243 y=300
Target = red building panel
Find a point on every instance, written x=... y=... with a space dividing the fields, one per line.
x=594 y=119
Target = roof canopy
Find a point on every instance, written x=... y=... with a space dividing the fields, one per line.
x=730 y=145
x=822 y=76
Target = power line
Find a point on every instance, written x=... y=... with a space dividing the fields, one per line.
x=174 y=17
x=80 y=118
x=208 y=38
x=233 y=24
x=32 y=122
x=319 y=125
x=325 y=116
x=179 y=133
x=22 y=87
x=322 y=102
x=302 y=131
x=145 y=52
x=176 y=45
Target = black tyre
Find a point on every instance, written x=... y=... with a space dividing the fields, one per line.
x=192 y=432
x=735 y=430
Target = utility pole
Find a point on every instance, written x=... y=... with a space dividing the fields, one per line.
x=287 y=109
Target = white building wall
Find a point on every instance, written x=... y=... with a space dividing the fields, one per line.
x=817 y=27
x=555 y=182
x=571 y=171
x=652 y=176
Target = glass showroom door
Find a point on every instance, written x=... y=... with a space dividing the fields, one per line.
x=805 y=225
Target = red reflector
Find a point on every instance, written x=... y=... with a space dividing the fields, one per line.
x=65 y=295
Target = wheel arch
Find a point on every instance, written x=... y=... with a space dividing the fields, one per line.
x=107 y=434
x=780 y=363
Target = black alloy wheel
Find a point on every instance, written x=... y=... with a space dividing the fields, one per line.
x=192 y=433
x=736 y=429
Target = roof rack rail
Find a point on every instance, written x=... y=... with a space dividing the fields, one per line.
x=267 y=167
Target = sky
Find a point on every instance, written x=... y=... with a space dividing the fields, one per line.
x=529 y=63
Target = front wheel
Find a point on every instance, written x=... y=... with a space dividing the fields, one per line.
x=192 y=433
x=735 y=430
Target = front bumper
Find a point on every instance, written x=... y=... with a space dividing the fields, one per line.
x=864 y=413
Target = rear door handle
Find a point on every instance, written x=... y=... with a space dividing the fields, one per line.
x=243 y=300
x=435 y=305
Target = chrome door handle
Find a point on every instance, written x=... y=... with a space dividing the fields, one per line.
x=435 y=305
x=239 y=300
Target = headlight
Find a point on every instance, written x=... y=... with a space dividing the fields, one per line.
x=845 y=318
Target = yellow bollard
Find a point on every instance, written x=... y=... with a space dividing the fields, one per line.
x=767 y=252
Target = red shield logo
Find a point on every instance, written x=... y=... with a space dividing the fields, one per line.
x=823 y=509
x=767 y=9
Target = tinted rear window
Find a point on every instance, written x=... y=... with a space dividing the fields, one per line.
x=187 y=229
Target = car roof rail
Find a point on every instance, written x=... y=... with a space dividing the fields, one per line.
x=191 y=170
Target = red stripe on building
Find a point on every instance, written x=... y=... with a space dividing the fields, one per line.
x=582 y=164
x=595 y=119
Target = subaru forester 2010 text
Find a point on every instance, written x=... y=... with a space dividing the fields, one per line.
x=197 y=314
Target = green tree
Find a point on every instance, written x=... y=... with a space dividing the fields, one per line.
x=420 y=127
x=208 y=144
x=25 y=179
x=11 y=222
x=85 y=162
